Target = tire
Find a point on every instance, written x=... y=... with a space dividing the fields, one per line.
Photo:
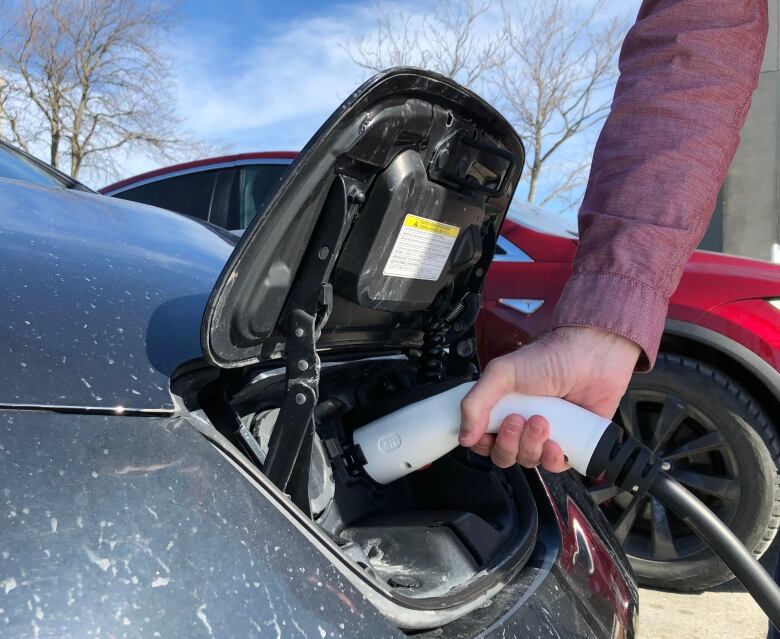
x=733 y=471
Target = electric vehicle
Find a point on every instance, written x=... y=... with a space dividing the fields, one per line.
x=177 y=404
x=710 y=404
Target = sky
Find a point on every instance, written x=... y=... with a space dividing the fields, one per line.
x=258 y=75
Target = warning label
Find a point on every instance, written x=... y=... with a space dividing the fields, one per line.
x=421 y=249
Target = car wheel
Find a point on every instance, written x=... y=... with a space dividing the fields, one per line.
x=718 y=440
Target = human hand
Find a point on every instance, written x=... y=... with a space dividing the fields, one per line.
x=586 y=366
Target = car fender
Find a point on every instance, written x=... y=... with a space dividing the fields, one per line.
x=138 y=526
x=758 y=367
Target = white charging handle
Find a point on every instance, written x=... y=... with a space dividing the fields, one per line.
x=418 y=434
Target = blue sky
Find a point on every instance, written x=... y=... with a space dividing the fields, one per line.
x=264 y=75
x=260 y=75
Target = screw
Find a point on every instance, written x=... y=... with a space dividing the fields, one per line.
x=300 y=399
x=465 y=348
x=635 y=489
x=303 y=365
x=298 y=332
x=666 y=466
x=324 y=252
x=479 y=272
x=355 y=194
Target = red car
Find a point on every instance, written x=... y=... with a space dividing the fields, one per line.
x=710 y=406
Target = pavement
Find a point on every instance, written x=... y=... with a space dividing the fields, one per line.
x=724 y=612
x=705 y=615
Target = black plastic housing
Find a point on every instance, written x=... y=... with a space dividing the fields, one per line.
x=403 y=189
x=407 y=142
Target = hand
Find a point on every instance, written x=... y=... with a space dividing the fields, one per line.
x=586 y=366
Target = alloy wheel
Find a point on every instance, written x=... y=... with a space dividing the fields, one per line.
x=702 y=460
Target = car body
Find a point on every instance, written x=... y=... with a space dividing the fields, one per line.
x=175 y=409
x=16 y=164
x=722 y=336
x=719 y=292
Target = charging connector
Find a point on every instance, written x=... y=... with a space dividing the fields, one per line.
x=418 y=434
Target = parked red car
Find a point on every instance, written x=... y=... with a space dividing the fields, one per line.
x=710 y=406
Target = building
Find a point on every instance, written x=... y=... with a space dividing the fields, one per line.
x=747 y=217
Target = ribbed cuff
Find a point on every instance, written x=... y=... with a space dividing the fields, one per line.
x=617 y=304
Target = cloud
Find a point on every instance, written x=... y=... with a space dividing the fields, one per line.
x=281 y=90
x=271 y=86
x=269 y=89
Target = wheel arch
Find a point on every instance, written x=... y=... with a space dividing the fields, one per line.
x=729 y=356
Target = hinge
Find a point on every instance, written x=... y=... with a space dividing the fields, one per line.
x=311 y=301
x=289 y=448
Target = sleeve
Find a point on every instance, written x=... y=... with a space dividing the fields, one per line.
x=688 y=69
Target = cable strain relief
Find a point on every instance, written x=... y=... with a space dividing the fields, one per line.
x=610 y=438
x=624 y=462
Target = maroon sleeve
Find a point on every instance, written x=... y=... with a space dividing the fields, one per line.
x=687 y=71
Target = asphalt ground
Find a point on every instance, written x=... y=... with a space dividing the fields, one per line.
x=724 y=612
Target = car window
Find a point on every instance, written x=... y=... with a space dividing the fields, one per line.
x=16 y=166
x=257 y=182
x=190 y=194
x=224 y=203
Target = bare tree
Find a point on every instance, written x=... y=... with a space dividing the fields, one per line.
x=8 y=119
x=557 y=80
x=449 y=40
x=548 y=64
x=86 y=78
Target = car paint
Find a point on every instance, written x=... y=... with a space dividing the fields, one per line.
x=122 y=519
x=750 y=322
x=102 y=298
x=709 y=281
x=118 y=526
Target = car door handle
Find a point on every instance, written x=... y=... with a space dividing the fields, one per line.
x=526 y=307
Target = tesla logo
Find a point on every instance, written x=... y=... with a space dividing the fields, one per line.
x=389 y=442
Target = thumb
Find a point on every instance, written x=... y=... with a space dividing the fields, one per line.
x=497 y=381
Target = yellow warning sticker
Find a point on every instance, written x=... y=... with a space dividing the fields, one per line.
x=424 y=224
x=421 y=249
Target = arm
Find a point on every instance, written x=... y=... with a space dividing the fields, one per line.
x=688 y=70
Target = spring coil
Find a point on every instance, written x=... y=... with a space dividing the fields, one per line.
x=450 y=317
x=432 y=367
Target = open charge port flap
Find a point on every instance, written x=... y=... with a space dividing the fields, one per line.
x=412 y=237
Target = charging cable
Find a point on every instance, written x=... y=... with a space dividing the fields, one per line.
x=419 y=433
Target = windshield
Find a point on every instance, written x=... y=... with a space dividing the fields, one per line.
x=17 y=166
x=542 y=220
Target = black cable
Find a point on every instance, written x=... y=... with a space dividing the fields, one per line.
x=622 y=461
x=723 y=543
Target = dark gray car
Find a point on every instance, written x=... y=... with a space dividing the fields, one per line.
x=176 y=410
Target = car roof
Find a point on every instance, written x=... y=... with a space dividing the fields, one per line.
x=201 y=164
